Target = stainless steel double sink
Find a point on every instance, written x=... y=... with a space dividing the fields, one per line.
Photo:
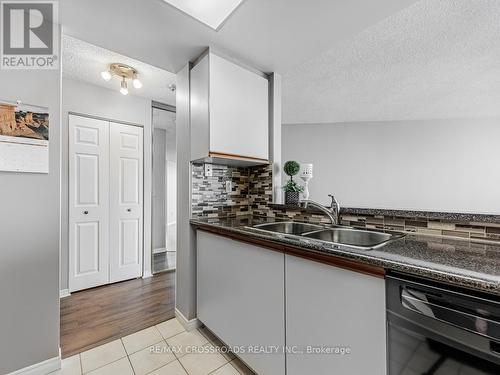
x=365 y=239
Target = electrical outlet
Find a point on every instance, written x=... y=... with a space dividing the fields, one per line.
x=208 y=170
x=229 y=186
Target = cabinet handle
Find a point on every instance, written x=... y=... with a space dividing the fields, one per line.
x=85 y=212
x=129 y=210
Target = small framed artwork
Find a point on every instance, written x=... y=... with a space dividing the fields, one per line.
x=24 y=138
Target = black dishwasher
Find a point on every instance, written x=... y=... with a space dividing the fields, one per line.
x=435 y=329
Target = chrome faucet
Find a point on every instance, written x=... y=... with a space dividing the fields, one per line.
x=332 y=212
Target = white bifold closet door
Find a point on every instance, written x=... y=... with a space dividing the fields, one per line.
x=88 y=202
x=105 y=202
x=126 y=185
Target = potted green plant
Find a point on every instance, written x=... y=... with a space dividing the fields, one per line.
x=291 y=188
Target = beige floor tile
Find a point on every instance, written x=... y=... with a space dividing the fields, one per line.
x=202 y=363
x=102 y=355
x=69 y=366
x=170 y=328
x=227 y=369
x=241 y=367
x=173 y=368
x=184 y=341
x=120 y=367
x=151 y=358
x=142 y=339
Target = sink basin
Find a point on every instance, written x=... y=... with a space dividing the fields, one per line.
x=362 y=239
x=289 y=227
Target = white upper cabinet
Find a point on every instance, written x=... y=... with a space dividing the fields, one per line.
x=229 y=113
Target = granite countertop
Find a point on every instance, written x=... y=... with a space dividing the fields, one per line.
x=457 y=262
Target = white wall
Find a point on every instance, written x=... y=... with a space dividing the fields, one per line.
x=171 y=205
x=83 y=98
x=159 y=228
x=185 y=291
x=172 y=191
x=434 y=165
x=29 y=235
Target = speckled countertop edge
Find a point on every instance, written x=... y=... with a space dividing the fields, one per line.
x=395 y=256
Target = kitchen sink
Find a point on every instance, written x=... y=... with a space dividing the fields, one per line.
x=288 y=227
x=358 y=238
x=365 y=239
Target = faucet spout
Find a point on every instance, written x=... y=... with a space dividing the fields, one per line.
x=331 y=212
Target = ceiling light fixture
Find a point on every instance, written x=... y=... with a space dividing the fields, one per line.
x=136 y=83
x=124 y=87
x=106 y=75
x=212 y=13
x=124 y=72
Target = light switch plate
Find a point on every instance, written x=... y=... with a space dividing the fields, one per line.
x=208 y=170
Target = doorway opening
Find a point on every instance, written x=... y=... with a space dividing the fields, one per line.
x=164 y=195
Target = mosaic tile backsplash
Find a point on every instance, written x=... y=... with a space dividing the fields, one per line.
x=251 y=190
x=472 y=230
x=480 y=228
x=260 y=189
x=252 y=194
x=209 y=197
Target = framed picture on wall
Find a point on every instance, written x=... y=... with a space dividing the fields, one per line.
x=24 y=138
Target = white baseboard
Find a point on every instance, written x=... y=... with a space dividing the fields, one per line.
x=160 y=250
x=41 y=368
x=188 y=325
x=147 y=274
x=64 y=293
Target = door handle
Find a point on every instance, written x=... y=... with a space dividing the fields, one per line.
x=85 y=212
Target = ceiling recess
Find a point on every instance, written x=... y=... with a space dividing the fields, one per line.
x=212 y=13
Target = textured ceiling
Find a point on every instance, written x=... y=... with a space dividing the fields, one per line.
x=271 y=35
x=84 y=62
x=434 y=59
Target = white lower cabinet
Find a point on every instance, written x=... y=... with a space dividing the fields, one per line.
x=252 y=296
x=241 y=298
x=330 y=307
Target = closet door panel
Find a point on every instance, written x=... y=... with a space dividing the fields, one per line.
x=88 y=202
x=126 y=201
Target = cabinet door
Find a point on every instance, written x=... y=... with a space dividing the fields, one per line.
x=88 y=202
x=126 y=197
x=239 y=106
x=331 y=307
x=241 y=297
x=199 y=107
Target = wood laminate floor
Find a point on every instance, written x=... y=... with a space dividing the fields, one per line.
x=164 y=261
x=93 y=317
